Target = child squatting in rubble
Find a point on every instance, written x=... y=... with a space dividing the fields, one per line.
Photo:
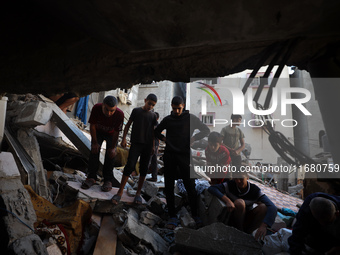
x=240 y=195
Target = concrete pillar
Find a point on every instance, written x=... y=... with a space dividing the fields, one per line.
x=327 y=91
x=301 y=138
x=30 y=143
x=301 y=134
x=3 y=107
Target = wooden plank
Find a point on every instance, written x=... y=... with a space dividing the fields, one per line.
x=107 y=237
x=97 y=218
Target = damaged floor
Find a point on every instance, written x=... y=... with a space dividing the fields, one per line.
x=53 y=215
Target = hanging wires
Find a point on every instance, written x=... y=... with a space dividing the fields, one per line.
x=279 y=142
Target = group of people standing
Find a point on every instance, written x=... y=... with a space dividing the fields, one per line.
x=250 y=209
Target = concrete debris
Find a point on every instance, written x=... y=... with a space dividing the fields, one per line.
x=156 y=205
x=31 y=245
x=120 y=217
x=186 y=220
x=18 y=215
x=293 y=190
x=31 y=145
x=131 y=192
x=33 y=114
x=150 y=188
x=211 y=209
x=25 y=163
x=139 y=231
x=123 y=229
x=149 y=219
x=215 y=239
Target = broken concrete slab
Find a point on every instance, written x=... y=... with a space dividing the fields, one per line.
x=160 y=181
x=211 y=209
x=215 y=239
x=31 y=244
x=149 y=219
x=150 y=188
x=68 y=127
x=8 y=167
x=26 y=165
x=17 y=213
x=96 y=192
x=33 y=114
x=186 y=220
x=14 y=198
x=156 y=205
x=141 y=232
x=31 y=145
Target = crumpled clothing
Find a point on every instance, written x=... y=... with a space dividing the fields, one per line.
x=45 y=230
x=201 y=185
x=73 y=218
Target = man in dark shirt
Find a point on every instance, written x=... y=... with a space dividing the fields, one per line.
x=317 y=225
x=142 y=144
x=179 y=126
x=106 y=122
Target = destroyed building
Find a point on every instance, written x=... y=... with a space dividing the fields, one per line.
x=56 y=47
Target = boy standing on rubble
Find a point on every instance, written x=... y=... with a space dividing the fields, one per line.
x=179 y=126
x=239 y=195
x=142 y=144
x=106 y=122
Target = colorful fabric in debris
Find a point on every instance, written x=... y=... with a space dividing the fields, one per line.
x=279 y=199
x=57 y=232
x=72 y=218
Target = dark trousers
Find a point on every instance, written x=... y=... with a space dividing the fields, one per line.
x=108 y=163
x=136 y=150
x=171 y=162
x=153 y=163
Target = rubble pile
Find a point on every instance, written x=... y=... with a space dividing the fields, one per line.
x=53 y=171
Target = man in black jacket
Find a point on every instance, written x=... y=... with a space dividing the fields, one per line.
x=179 y=126
x=317 y=225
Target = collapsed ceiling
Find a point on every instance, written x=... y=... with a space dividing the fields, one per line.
x=87 y=46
